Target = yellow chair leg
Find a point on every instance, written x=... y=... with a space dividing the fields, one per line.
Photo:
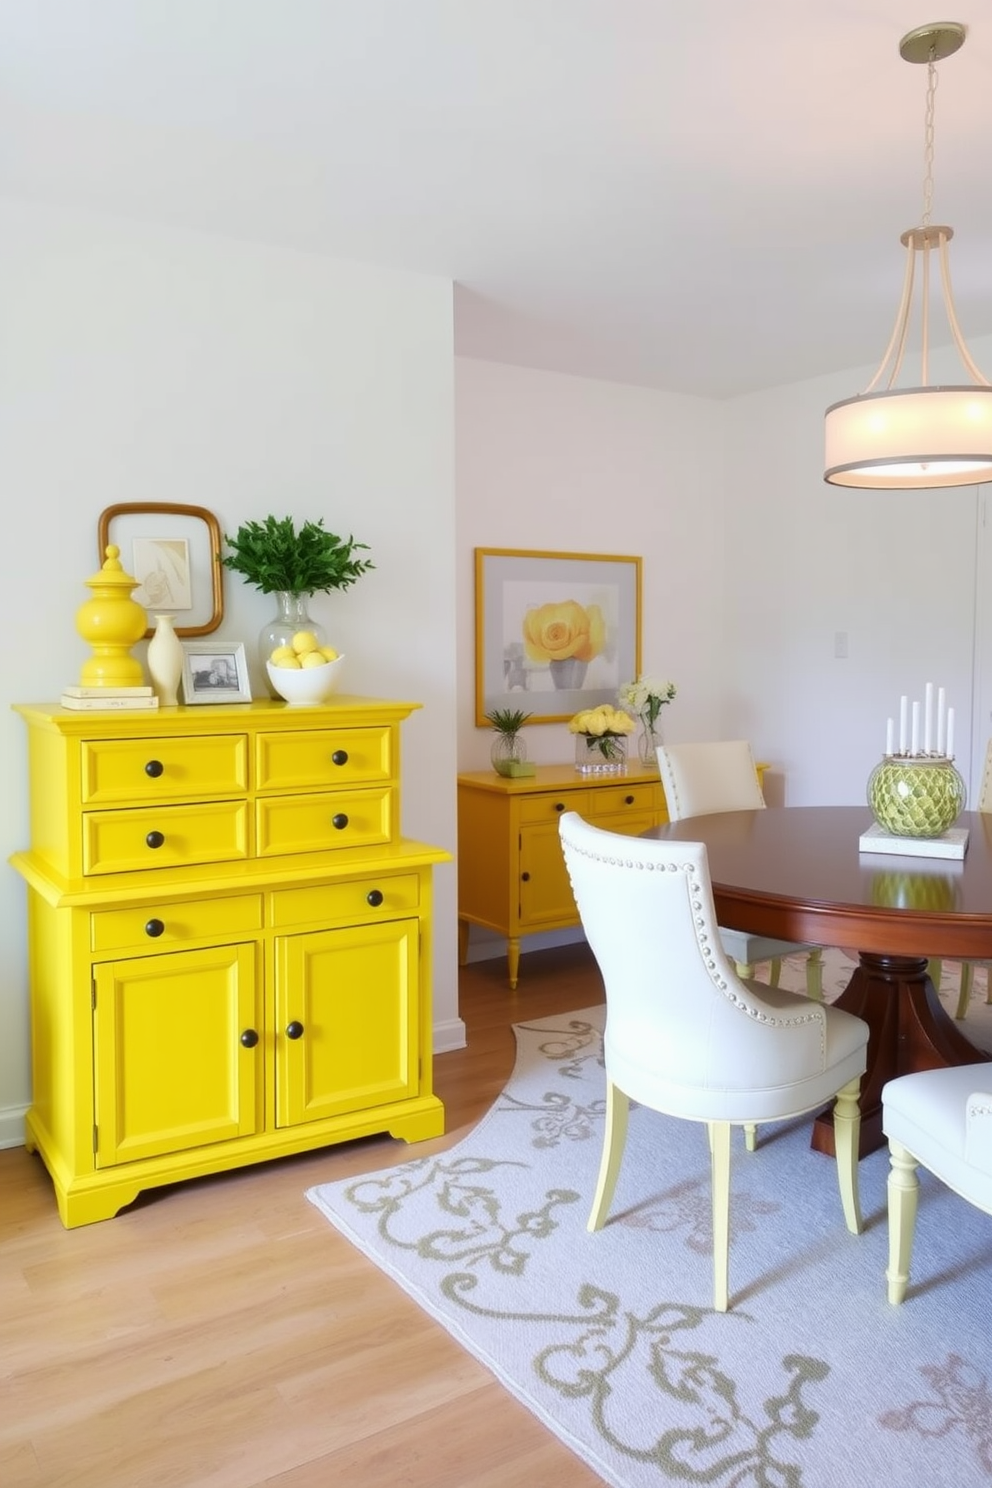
x=814 y=975
x=964 y=996
x=903 y=1192
x=750 y=1136
x=774 y=971
x=934 y=971
x=847 y=1131
x=720 y=1182
x=614 y=1137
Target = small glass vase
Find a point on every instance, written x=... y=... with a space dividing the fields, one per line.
x=916 y=796
x=292 y=617
x=601 y=754
x=648 y=739
x=506 y=751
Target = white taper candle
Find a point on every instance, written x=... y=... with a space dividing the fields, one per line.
x=941 y=721
x=903 y=719
x=890 y=737
x=914 y=738
x=950 y=733
x=928 y=719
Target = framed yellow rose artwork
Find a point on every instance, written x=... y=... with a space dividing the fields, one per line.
x=554 y=632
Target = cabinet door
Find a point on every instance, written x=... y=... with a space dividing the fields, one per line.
x=545 y=890
x=172 y=1072
x=347 y=1020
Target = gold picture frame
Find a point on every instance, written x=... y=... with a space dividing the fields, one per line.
x=174 y=552
x=554 y=632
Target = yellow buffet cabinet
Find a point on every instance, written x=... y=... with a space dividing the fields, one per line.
x=511 y=873
x=229 y=941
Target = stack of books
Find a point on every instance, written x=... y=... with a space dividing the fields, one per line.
x=103 y=698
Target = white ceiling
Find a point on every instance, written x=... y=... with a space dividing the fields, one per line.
x=704 y=197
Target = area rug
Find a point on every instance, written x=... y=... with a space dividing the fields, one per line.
x=811 y=1380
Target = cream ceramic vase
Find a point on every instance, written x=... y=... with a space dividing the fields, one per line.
x=165 y=661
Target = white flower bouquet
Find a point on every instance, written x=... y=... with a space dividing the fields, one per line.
x=646 y=697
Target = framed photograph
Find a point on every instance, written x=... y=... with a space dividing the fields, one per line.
x=554 y=632
x=215 y=672
x=174 y=553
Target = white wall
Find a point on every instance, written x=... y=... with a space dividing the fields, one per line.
x=144 y=364
x=893 y=571
x=569 y=464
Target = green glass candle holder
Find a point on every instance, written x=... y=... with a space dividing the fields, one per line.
x=916 y=796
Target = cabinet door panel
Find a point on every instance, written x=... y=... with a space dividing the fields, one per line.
x=171 y=1071
x=545 y=890
x=354 y=992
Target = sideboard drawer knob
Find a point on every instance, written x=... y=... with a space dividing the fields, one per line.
x=628 y=800
x=559 y=805
x=525 y=878
x=339 y=757
x=340 y=821
x=155 y=839
x=154 y=768
x=249 y=1038
x=154 y=928
x=374 y=897
x=294 y=1030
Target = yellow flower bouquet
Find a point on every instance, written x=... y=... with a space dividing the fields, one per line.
x=601 y=739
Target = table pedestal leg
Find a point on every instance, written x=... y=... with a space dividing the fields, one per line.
x=909 y=1029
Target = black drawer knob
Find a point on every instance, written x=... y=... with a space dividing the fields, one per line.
x=155 y=839
x=340 y=821
x=559 y=805
x=294 y=1030
x=628 y=800
x=374 y=897
x=249 y=1038
x=154 y=928
x=154 y=768
x=339 y=757
x=525 y=877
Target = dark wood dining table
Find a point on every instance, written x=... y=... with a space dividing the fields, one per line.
x=796 y=873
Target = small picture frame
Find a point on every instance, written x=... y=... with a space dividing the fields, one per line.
x=215 y=672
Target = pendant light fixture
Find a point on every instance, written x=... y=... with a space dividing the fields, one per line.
x=901 y=439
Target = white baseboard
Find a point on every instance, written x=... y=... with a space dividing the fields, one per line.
x=449 y=1035
x=12 y=1125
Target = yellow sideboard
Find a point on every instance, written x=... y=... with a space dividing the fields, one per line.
x=229 y=941
x=511 y=873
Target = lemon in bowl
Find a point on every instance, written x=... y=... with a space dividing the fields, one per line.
x=304 y=678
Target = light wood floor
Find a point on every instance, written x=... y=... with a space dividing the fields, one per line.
x=221 y=1334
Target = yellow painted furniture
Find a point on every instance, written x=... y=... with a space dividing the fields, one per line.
x=511 y=874
x=229 y=941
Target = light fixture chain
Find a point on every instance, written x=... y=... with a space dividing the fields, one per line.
x=928 y=140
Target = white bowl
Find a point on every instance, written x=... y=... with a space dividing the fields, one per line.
x=302 y=686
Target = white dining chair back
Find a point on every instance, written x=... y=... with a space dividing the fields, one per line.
x=941 y=1120
x=700 y=779
x=685 y=1035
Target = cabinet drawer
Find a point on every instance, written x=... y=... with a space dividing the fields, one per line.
x=315 y=823
x=118 y=771
x=323 y=758
x=122 y=841
x=616 y=800
x=549 y=807
x=198 y=919
x=384 y=898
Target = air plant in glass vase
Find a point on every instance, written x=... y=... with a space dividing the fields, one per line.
x=509 y=751
x=293 y=563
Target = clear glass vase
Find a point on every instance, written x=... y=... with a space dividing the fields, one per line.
x=601 y=754
x=292 y=617
x=506 y=751
x=648 y=739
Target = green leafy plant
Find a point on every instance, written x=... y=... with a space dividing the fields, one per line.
x=273 y=556
x=508 y=720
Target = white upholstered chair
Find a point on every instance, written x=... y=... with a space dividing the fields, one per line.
x=968 y=967
x=700 y=779
x=686 y=1036
x=941 y=1119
